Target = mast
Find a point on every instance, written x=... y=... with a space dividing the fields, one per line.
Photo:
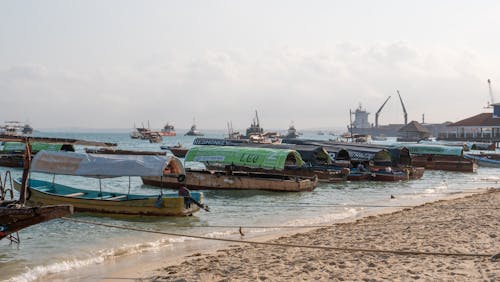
x=491 y=92
x=404 y=109
x=257 y=118
x=378 y=112
x=350 y=120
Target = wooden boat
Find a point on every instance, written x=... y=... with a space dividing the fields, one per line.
x=265 y=169
x=111 y=151
x=14 y=214
x=358 y=176
x=371 y=156
x=389 y=175
x=105 y=166
x=317 y=160
x=236 y=181
x=178 y=150
x=14 y=218
x=13 y=149
x=487 y=160
x=438 y=157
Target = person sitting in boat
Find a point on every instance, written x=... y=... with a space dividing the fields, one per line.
x=388 y=169
x=361 y=167
x=184 y=192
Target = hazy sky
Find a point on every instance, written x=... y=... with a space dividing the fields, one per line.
x=108 y=64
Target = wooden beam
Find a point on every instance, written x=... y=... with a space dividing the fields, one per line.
x=24 y=139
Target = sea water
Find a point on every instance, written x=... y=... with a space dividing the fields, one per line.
x=62 y=250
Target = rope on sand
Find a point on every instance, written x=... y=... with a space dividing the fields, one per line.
x=345 y=249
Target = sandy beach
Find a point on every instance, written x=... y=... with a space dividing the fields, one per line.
x=467 y=225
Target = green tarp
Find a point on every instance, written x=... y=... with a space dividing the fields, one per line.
x=243 y=156
x=35 y=146
x=420 y=149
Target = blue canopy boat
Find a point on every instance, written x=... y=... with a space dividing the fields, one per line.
x=487 y=160
x=106 y=166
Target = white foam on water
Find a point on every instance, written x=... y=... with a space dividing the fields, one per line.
x=38 y=272
x=348 y=212
x=438 y=189
x=216 y=234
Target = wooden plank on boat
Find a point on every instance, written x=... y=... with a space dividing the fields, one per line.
x=116 y=198
x=74 y=194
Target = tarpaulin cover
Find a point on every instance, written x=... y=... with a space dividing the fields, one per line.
x=100 y=165
x=243 y=156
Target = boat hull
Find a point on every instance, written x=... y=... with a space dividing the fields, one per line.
x=179 y=152
x=168 y=133
x=389 y=176
x=207 y=180
x=13 y=219
x=448 y=163
x=135 y=205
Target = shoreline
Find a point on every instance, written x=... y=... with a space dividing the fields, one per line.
x=199 y=258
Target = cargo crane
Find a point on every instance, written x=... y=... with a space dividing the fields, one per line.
x=404 y=109
x=378 y=112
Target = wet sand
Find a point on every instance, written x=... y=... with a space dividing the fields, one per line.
x=468 y=225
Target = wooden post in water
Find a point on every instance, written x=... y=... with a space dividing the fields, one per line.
x=26 y=169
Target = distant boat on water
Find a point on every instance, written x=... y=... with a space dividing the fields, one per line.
x=168 y=130
x=193 y=131
x=254 y=128
x=292 y=132
x=139 y=132
x=15 y=128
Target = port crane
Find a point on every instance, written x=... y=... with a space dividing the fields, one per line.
x=378 y=112
x=404 y=109
x=492 y=98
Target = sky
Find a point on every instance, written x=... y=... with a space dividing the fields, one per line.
x=110 y=64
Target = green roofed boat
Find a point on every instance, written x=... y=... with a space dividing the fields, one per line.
x=440 y=157
x=12 y=153
x=242 y=168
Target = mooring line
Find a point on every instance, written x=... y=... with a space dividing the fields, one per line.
x=346 y=249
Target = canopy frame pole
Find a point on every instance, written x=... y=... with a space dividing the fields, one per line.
x=100 y=188
x=128 y=194
x=161 y=185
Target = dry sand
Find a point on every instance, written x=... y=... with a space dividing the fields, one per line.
x=464 y=225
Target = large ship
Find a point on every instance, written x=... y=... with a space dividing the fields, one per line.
x=362 y=126
x=254 y=128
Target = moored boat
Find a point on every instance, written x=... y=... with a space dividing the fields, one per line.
x=485 y=159
x=177 y=150
x=106 y=166
x=439 y=157
x=241 y=169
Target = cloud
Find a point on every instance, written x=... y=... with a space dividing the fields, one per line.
x=314 y=88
